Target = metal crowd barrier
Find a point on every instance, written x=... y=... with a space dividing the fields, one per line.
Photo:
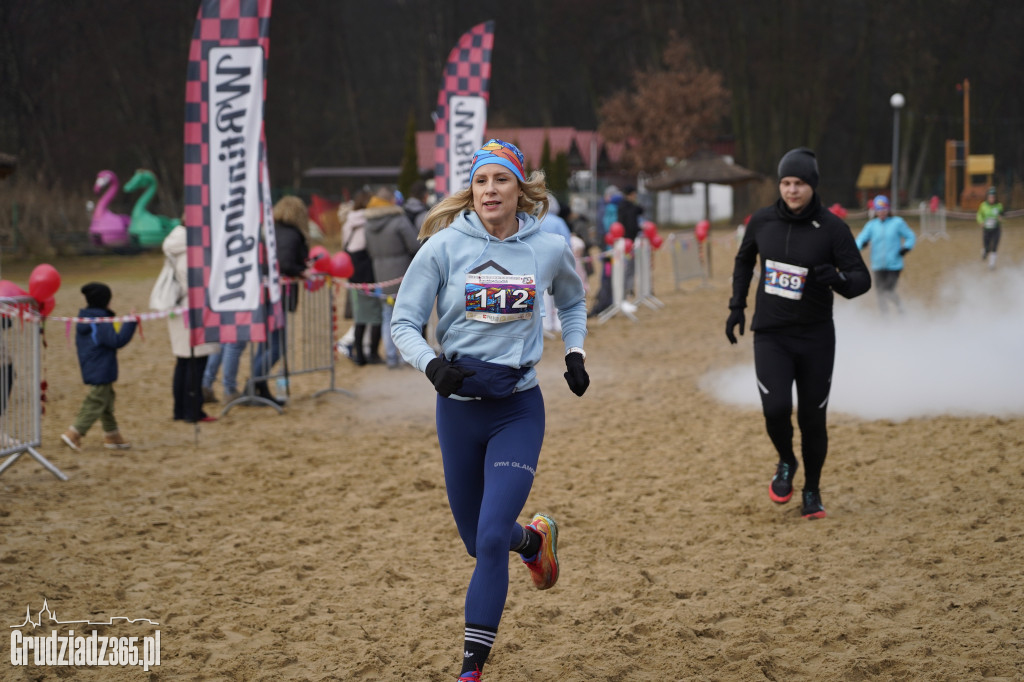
x=643 y=257
x=933 y=225
x=619 y=303
x=687 y=259
x=21 y=383
x=643 y=286
x=310 y=329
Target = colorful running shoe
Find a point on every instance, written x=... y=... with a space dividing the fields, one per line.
x=544 y=567
x=781 y=487
x=473 y=676
x=813 y=508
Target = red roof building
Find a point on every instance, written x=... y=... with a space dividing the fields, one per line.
x=577 y=145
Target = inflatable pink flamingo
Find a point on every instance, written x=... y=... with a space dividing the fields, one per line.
x=108 y=229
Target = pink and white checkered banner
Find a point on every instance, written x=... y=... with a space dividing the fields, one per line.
x=461 y=116
x=234 y=282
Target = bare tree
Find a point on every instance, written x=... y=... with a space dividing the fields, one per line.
x=669 y=112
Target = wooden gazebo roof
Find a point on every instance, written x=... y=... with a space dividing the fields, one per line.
x=707 y=168
x=7 y=164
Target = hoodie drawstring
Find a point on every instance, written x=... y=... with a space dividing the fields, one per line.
x=487 y=244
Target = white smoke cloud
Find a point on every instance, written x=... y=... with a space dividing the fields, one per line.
x=962 y=355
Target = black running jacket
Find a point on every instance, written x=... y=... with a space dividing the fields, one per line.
x=790 y=246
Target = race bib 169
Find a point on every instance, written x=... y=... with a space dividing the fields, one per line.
x=782 y=279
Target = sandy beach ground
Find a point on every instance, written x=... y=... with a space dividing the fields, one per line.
x=318 y=545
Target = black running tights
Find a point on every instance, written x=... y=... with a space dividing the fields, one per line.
x=803 y=355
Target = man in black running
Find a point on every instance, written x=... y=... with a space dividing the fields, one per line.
x=806 y=254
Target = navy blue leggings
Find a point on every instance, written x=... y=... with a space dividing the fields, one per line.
x=490 y=450
x=803 y=355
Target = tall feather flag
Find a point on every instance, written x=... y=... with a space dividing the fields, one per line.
x=227 y=187
x=461 y=116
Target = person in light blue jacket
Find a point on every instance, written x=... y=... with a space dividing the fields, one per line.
x=486 y=264
x=556 y=225
x=890 y=238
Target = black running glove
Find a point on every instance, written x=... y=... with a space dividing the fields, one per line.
x=576 y=375
x=904 y=251
x=827 y=274
x=736 y=317
x=446 y=377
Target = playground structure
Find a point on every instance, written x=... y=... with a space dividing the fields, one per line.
x=958 y=155
x=147 y=229
x=976 y=165
x=107 y=228
x=873 y=179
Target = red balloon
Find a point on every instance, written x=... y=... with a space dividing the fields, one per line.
x=315 y=283
x=318 y=252
x=701 y=230
x=46 y=307
x=617 y=230
x=323 y=264
x=628 y=244
x=44 y=282
x=837 y=210
x=656 y=242
x=933 y=205
x=341 y=265
x=650 y=229
x=609 y=239
x=9 y=289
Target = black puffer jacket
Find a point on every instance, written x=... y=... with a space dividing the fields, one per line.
x=292 y=249
x=790 y=246
x=292 y=254
x=629 y=216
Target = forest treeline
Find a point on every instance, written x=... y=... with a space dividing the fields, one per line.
x=87 y=86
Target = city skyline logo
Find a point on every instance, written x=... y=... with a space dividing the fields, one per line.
x=52 y=618
x=60 y=646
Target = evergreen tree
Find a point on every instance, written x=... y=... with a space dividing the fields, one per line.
x=545 y=159
x=558 y=180
x=410 y=171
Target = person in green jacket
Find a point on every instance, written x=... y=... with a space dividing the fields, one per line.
x=989 y=214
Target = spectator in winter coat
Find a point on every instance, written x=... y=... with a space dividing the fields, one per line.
x=391 y=242
x=416 y=205
x=366 y=306
x=629 y=216
x=291 y=220
x=553 y=223
x=190 y=361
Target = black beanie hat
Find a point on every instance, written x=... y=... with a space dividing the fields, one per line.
x=97 y=295
x=800 y=163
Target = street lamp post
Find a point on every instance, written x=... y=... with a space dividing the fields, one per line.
x=896 y=102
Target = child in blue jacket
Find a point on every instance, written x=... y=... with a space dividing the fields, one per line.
x=97 y=344
x=891 y=239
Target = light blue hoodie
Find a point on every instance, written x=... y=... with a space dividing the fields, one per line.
x=887 y=237
x=439 y=270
